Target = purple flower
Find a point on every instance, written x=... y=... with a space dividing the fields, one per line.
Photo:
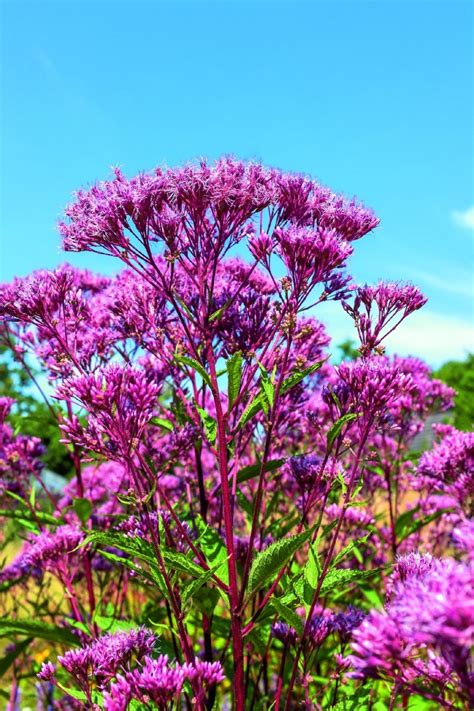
x=47 y=671
x=19 y=456
x=283 y=632
x=103 y=658
x=463 y=536
x=120 y=402
x=346 y=622
x=48 y=549
x=159 y=682
x=378 y=310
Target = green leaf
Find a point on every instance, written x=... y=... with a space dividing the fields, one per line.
x=8 y=659
x=33 y=628
x=194 y=586
x=112 y=625
x=210 y=425
x=217 y=314
x=406 y=523
x=195 y=365
x=234 y=376
x=336 y=428
x=312 y=569
x=26 y=515
x=161 y=422
x=154 y=576
x=350 y=548
x=179 y=561
x=296 y=377
x=272 y=559
x=214 y=549
x=253 y=470
x=258 y=402
x=83 y=509
x=288 y=615
x=267 y=390
x=341 y=577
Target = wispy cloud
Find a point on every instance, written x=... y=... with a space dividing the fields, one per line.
x=464 y=218
x=461 y=284
x=429 y=335
x=434 y=337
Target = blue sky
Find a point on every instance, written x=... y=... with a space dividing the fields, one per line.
x=373 y=98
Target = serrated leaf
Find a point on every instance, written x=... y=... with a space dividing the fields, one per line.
x=179 y=561
x=234 y=376
x=336 y=428
x=217 y=314
x=27 y=515
x=154 y=576
x=252 y=408
x=112 y=625
x=288 y=615
x=34 y=628
x=214 y=549
x=272 y=559
x=267 y=390
x=136 y=547
x=341 y=577
x=195 y=365
x=210 y=425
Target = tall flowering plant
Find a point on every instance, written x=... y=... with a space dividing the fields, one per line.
x=231 y=490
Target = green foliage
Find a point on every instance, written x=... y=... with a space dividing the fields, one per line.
x=265 y=397
x=234 y=376
x=30 y=415
x=349 y=350
x=337 y=427
x=10 y=657
x=33 y=628
x=270 y=561
x=460 y=376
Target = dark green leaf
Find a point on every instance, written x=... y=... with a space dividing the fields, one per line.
x=269 y=562
x=341 y=577
x=350 y=548
x=253 y=470
x=299 y=375
x=194 y=586
x=210 y=425
x=214 y=549
x=234 y=376
x=288 y=615
x=407 y=524
x=179 y=561
x=33 y=628
x=336 y=428
x=259 y=401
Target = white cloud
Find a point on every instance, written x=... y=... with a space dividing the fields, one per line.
x=462 y=284
x=432 y=336
x=464 y=218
